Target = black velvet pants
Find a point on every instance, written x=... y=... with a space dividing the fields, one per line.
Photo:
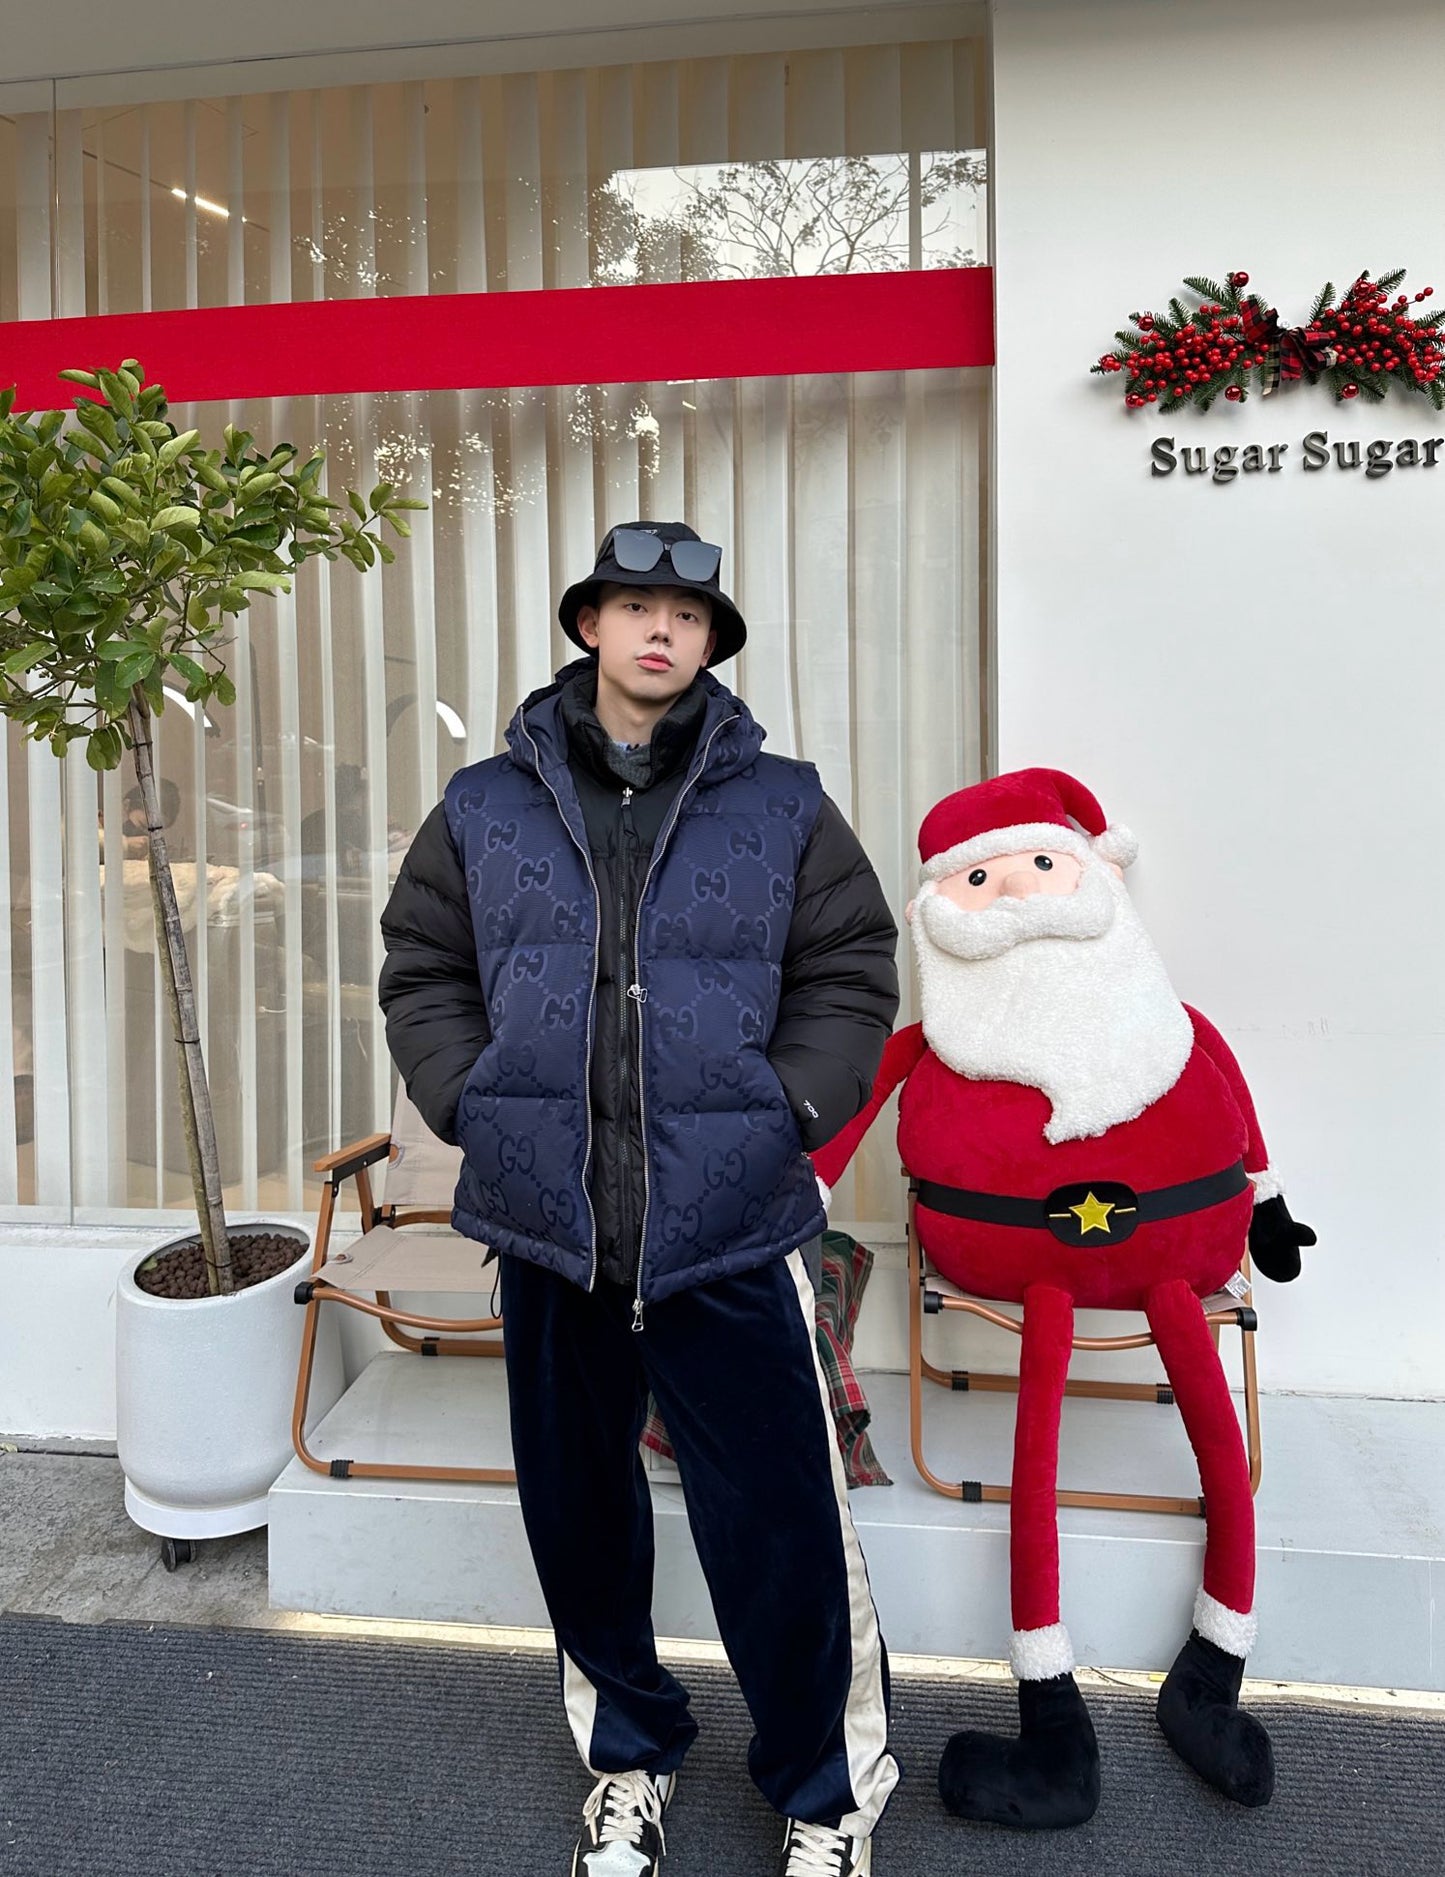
x=735 y=1372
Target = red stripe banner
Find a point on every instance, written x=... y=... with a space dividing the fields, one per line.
x=466 y=341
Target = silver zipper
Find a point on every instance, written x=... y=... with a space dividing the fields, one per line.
x=658 y=851
x=591 y=1000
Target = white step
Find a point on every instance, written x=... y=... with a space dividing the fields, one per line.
x=1351 y=1518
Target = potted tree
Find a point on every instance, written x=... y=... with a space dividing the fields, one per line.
x=127 y=551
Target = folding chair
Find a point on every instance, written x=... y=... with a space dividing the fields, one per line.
x=406 y=1244
x=930 y=1293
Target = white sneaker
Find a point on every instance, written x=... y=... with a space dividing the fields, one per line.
x=816 y=1851
x=622 y=1826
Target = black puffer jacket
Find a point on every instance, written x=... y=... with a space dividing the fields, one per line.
x=839 y=993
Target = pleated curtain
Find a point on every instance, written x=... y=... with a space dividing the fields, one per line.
x=851 y=511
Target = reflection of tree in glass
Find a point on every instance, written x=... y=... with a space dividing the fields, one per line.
x=824 y=215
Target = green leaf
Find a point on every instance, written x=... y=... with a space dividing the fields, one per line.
x=131 y=670
x=28 y=656
x=178 y=516
x=188 y=668
x=117 y=394
x=358 y=507
x=225 y=691
x=271 y=583
x=103 y=505
x=177 y=447
x=206 y=469
x=114 y=650
x=103 y=748
x=264 y=535
x=403 y=528
x=73 y=375
x=381 y=494
x=124 y=493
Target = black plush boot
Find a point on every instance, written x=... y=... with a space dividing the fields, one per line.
x=1202 y=1720
x=1047 y=1778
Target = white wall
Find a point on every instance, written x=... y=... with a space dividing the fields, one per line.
x=1250 y=675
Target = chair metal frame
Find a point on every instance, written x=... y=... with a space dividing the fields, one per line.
x=925 y=1299
x=444 y=1336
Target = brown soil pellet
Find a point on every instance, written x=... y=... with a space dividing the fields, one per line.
x=255 y=1256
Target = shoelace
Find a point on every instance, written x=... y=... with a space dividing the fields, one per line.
x=815 y=1851
x=626 y=1802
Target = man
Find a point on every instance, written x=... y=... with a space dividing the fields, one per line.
x=636 y=967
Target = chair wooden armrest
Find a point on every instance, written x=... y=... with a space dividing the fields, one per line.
x=348 y=1160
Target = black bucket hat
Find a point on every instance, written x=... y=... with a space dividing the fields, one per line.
x=658 y=554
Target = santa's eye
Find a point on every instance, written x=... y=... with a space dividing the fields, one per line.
x=1043 y=863
x=977 y=877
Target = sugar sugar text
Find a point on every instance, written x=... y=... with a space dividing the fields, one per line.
x=1376 y=458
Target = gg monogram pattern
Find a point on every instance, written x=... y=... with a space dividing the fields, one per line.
x=728 y=1184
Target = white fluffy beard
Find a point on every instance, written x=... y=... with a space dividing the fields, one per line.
x=1060 y=992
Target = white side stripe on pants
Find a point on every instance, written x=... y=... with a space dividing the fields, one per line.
x=581 y=1702
x=872 y=1771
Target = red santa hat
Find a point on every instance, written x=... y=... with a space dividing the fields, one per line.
x=1039 y=808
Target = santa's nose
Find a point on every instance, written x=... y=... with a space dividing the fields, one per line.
x=1021 y=883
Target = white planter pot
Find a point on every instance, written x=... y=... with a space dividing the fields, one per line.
x=204 y=1392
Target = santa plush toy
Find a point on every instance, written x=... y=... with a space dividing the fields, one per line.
x=1080 y=1139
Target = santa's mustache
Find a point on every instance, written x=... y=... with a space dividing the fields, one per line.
x=1085 y=913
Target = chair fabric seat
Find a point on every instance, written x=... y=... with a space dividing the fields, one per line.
x=412 y=1258
x=935 y=1280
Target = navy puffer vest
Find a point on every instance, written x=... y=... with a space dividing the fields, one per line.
x=728 y=1186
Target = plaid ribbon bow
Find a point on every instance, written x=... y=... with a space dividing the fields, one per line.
x=1290 y=351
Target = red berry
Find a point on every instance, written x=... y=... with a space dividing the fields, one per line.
x=1349 y=391
x=1234 y=393
x=1239 y=280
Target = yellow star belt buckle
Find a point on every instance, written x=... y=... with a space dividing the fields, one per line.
x=1098 y=1213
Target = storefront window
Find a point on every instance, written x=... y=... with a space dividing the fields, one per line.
x=849 y=509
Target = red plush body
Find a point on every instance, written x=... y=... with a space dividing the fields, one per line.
x=989 y=1137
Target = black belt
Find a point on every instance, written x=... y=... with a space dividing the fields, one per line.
x=1098 y=1212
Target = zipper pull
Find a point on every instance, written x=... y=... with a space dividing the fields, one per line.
x=637 y=993
x=637 y=1316
x=627 y=795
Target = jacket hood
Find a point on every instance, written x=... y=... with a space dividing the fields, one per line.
x=538 y=721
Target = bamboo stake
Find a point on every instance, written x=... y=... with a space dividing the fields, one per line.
x=197 y=1119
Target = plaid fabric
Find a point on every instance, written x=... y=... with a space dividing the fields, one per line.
x=846 y=1267
x=1290 y=351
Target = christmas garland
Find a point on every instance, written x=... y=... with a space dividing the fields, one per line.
x=1365 y=344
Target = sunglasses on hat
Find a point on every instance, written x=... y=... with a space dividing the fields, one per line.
x=639 y=551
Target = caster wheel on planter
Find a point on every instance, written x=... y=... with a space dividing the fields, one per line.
x=177 y=1551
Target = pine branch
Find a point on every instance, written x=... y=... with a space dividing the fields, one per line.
x=1176 y=307
x=1206 y=288
x=1325 y=297
x=1388 y=282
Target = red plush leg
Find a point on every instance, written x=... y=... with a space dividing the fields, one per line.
x=1192 y=1364
x=1033 y=1514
